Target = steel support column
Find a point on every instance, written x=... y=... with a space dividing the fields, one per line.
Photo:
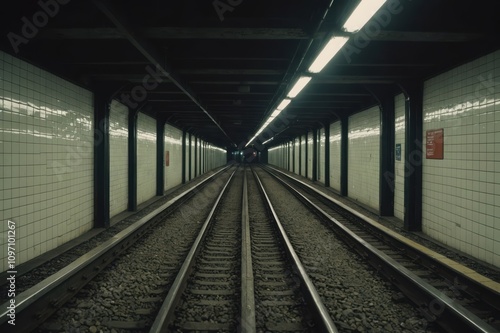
x=300 y=155
x=387 y=146
x=160 y=157
x=101 y=161
x=344 y=165
x=413 y=157
x=184 y=136
x=190 y=158
x=195 y=157
x=327 y=155
x=307 y=154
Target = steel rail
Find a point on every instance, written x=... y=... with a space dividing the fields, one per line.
x=473 y=287
x=247 y=324
x=313 y=299
x=434 y=304
x=35 y=305
x=166 y=313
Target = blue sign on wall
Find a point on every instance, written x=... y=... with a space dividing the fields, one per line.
x=398 y=152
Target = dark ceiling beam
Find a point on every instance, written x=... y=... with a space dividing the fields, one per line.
x=106 y=63
x=239 y=108
x=220 y=71
x=235 y=93
x=302 y=112
x=153 y=56
x=194 y=61
x=163 y=100
x=334 y=93
x=266 y=83
x=161 y=107
x=119 y=77
x=415 y=36
x=390 y=65
x=177 y=33
x=325 y=103
x=250 y=33
x=246 y=99
x=159 y=92
x=353 y=79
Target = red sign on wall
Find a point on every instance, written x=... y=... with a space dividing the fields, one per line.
x=167 y=158
x=434 y=144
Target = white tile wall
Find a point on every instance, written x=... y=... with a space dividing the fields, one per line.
x=290 y=156
x=193 y=153
x=285 y=155
x=399 y=166
x=173 y=144
x=146 y=158
x=219 y=157
x=309 y=155
x=335 y=155
x=46 y=158
x=272 y=155
x=297 y=161
x=277 y=156
x=286 y=151
x=118 y=158
x=211 y=157
x=202 y=154
x=321 y=155
x=216 y=157
x=363 y=157
x=198 y=167
x=303 y=161
x=461 y=193
x=222 y=157
x=186 y=166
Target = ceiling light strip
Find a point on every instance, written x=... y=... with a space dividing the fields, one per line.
x=362 y=14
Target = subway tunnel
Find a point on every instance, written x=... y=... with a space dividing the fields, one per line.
x=107 y=107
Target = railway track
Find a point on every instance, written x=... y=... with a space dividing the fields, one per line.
x=37 y=303
x=452 y=300
x=209 y=287
x=205 y=293
x=280 y=306
x=34 y=271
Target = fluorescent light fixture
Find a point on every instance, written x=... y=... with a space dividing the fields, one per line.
x=328 y=52
x=275 y=113
x=283 y=104
x=362 y=14
x=271 y=118
x=271 y=139
x=299 y=85
x=251 y=140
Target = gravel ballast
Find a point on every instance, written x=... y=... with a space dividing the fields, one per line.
x=419 y=237
x=129 y=292
x=24 y=282
x=357 y=298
